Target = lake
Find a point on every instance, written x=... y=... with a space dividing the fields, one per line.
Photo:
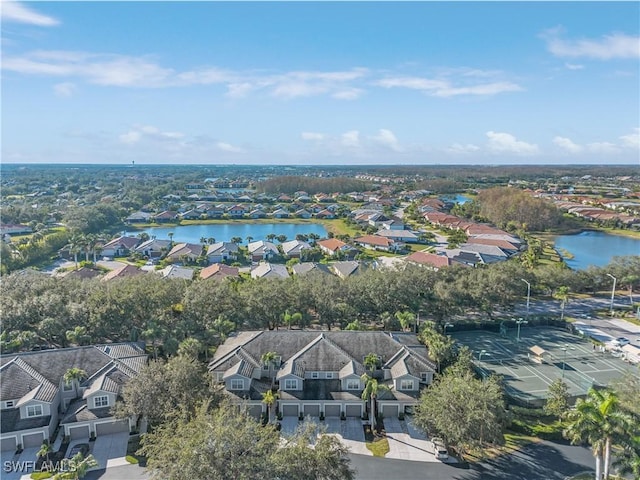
x=224 y=232
x=595 y=248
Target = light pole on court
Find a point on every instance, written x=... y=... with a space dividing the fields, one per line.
x=528 y=294
x=519 y=322
x=613 y=291
x=564 y=357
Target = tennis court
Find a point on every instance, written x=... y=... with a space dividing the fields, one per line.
x=541 y=356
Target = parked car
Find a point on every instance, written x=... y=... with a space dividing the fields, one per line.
x=620 y=342
x=439 y=449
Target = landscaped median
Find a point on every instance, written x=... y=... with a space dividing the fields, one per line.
x=377 y=444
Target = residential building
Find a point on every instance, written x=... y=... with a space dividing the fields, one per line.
x=375 y=242
x=153 y=248
x=120 y=247
x=305 y=268
x=219 y=271
x=269 y=270
x=176 y=271
x=294 y=248
x=347 y=268
x=221 y=251
x=125 y=270
x=429 y=259
x=35 y=398
x=319 y=373
x=185 y=251
x=398 y=235
x=262 y=250
x=332 y=246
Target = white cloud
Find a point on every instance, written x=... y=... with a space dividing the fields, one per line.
x=348 y=94
x=500 y=142
x=149 y=132
x=130 y=137
x=65 y=89
x=16 y=12
x=607 y=47
x=350 y=139
x=459 y=149
x=567 y=145
x=573 y=66
x=387 y=139
x=602 y=148
x=227 y=147
x=312 y=136
x=632 y=140
x=444 y=88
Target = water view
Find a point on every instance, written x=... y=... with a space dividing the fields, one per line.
x=595 y=248
x=224 y=232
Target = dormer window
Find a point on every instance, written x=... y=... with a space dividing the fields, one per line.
x=406 y=385
x=67 y=386
x=315 y=375
x=101 y=401
x=328 y=374
x=237 y=384
x=424 y=376
x=34 y=411
x=9 y=404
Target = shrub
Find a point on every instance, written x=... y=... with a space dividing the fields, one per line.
x=343 y=416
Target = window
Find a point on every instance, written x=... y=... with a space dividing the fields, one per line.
x=328 y=374
x=237 y=384
x=425 y=376
x=406 y=385
x=353 y=384
x=265 y=366
x=219 y=376
x=291 y=384
x=67 y=386
x=101 y=401
x=34 y=411
x=315 y=375
x=9 y=404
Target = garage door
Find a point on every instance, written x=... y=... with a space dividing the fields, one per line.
x=256 y=410
x=332 y=410
x=32 y=440
x=290 y=410
x=112 y=427
x=79 y=433
x=354 y=411
x=8 y=444
x=312 y=410
x=390 y=411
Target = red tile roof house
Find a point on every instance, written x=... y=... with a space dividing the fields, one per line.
x=318 y=372
x=429 y=259
x=35 y=397
x=332 y=246
x=122 y=272
x=375 y=242
x=219 y=271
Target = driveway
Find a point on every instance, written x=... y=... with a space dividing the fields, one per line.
x=110 y=450
x=349 y=432
x=288 y=426
x=405 y=446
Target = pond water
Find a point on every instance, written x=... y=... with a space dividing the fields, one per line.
x=457 y=198
x=224 y=232
x=595 y=248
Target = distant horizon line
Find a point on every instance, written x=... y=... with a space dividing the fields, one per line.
x=324 y=165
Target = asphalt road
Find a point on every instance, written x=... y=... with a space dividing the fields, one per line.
x=544 y=461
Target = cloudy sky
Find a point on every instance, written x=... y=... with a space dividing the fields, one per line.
x=321 y=83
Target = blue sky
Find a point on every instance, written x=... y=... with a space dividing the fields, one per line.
x=321 y=83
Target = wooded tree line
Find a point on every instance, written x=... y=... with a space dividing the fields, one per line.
x=311 y=185
x=38 y=309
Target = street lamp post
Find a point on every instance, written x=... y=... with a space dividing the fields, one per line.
x=528 y=294
x=564 y=357
x=519 y=322
x=613 y=291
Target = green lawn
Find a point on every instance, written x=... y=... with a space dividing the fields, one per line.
x=379 y=447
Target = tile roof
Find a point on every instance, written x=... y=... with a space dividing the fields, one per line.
x=375 y=240
x=219 y=270
x=425 y=258
x=332 y=244
x=124 y=271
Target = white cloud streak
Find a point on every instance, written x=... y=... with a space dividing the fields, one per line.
x=312 y=136
x=567 y=145
x=65 y=89
x=387 y=139
x=504 y=143
x=12 y=11
x=632 y=140
x=227 y=147
x=607 y=47
x=444 y=88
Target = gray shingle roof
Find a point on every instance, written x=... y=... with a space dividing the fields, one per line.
x=10 y=421
x=79 y=412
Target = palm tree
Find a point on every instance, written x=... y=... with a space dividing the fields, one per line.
x=249 y=238
x=170 y=235
x=203 y=240
x=73 y=376
x=236 y=240
x=314 y=237
x=281 y=238
x=627 y=461
x=269 y=398
x=371 y=362
x=78 y=468
x=45 y=451
x=562 y=294
x=270 y=237
x=269 y=358
x=371 y=390
x=211 y=240
x=598 y=419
